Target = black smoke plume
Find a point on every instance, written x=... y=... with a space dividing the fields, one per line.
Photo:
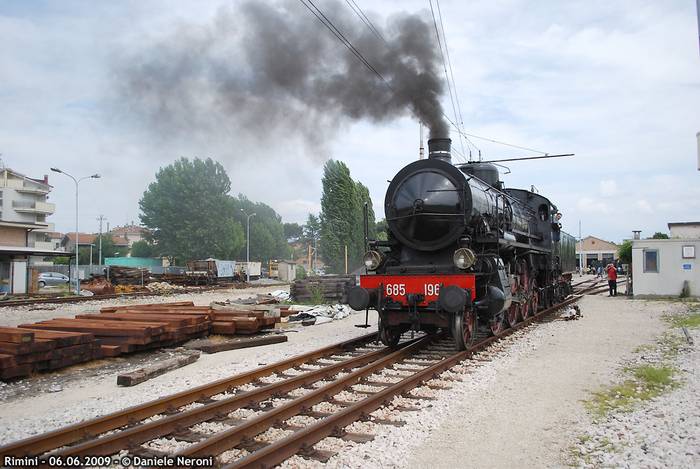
x=272 y=68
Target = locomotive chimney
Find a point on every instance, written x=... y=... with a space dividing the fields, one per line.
x=439 y=149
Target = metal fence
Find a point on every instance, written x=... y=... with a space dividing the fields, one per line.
x=87 y=270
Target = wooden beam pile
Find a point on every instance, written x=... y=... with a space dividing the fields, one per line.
x=60 y=342
x=23 y=351
x=326 y=288
x=128 y=275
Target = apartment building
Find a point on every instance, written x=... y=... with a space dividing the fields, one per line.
x=24 y=230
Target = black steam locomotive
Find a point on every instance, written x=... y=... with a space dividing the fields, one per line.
x=463 y=252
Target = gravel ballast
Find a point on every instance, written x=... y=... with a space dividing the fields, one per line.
x=520 y=405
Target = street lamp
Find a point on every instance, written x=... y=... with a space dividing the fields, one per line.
x=247 y=245
x=76 y=181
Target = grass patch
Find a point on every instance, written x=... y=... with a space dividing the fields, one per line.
x=690 y=320
x=647 y=382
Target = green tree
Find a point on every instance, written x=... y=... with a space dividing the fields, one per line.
x=311 y=229
x=109 y=249
x=143 y=248
x=190 y=213
x=342 y=206
x=659 y=235
x=382 y=229
x=624 y=252
x=267 y=237
x=293 y=231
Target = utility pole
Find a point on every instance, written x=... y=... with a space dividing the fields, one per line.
x=101 y=218
x=247 y=245
x=77 y=239
x=580 y=250
x=346 y=259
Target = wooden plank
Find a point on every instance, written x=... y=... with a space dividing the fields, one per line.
x=15 y=335
x=39 y=345
x=111 y=350
x=208 y=346
x=172 y=320
x=63 y=338
x=144 y=374
x=15 y=372
x=7 y=361
x=223 y=327
x=150 y=305
x=105 y=328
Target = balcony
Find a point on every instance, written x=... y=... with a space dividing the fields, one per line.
x=34 y=207
x=33 y=190
x=43 y=245
x=50 y=227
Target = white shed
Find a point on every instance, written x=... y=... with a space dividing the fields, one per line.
x=287 y=271
x=660 y=267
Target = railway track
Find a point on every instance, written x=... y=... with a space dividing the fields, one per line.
x=260 y=418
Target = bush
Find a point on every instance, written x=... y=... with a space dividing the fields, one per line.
x=301 y=272
x=625 y=252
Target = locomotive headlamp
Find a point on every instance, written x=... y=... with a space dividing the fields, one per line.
x=372 y=259
x=464 y=258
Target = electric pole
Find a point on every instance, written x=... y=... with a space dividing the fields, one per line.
x=101 y=218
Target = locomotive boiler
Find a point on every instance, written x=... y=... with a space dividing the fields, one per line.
x=463 y=253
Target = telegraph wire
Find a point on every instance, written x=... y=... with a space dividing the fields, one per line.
x=336 y=32
x=444 y=66
x=361 y=14
x=454 y=83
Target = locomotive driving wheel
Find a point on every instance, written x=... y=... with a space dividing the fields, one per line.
x=514 y=312
x=464 y=329
x=534 y=298
x=389 y=335
x=498 y=324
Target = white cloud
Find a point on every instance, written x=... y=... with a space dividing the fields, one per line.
x=608 y=188
x=615 y=82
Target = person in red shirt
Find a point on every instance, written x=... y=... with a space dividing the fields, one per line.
x=612 y=279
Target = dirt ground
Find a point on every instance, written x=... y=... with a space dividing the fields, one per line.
x=521 y=409
x=524 y=417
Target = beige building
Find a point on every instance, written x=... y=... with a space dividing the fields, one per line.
x=131 y=233
x=595 y=251
x=686 y=229
x=24 y=231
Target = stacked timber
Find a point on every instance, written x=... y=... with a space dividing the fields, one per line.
x=23 y=351
x=329 y=288
x=128 y=275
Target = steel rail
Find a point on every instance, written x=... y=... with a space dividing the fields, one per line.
x=225 y=440
x=304 y=439
x=42 y=443
x=218 y=409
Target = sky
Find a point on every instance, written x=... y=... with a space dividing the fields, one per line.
x=616 y=83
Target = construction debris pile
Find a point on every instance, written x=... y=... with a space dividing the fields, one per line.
x=329 y=288
x=164 y=287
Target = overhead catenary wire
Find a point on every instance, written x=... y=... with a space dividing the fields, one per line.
x=444 y=66
x=454 y=83
x=309 y=4
x=361 y=14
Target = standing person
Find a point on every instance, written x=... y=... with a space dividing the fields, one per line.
x=612 y=279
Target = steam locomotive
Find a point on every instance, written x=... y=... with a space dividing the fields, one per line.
x=463 y=253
